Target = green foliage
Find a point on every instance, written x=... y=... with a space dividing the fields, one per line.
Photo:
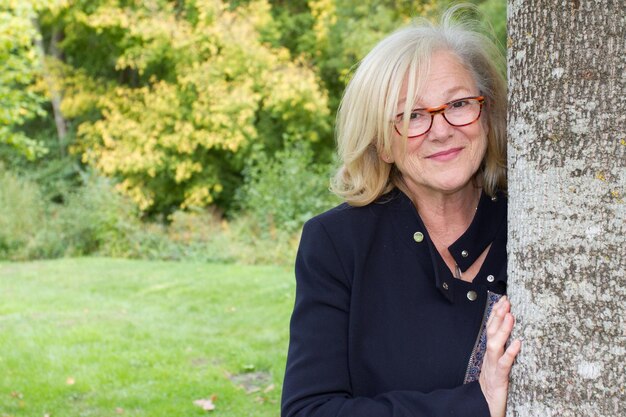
x=190 y=89
x=19 y=102
x=345 y=30
x=198 y=235
x=494 y=12
x=96 y=219
x=281 y=192
x=22 y=215
x=195 y=111
x=103 y=337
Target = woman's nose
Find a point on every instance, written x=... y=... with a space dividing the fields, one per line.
x=440 y=128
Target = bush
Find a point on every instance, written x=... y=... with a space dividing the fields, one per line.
x=205 y=236
x=282 y=192
x=94 y=219
x=97 y=219
x=279 y=248
x=22 y=215
x=201 y=235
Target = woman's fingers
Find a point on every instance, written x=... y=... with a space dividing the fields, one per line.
x=497 y=339
x=506 y=326
x=511 y=353
x=498 y=361
x=497 y=313
x=499 y=326
x=505 y=363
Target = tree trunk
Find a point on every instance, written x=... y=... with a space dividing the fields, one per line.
x=55 y=95
x=567 y=186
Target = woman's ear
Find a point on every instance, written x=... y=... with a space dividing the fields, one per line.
x=385 y=156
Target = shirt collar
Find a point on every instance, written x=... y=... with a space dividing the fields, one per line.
x=487 y=226
x=489 y=218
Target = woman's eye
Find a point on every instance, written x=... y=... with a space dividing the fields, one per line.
x=458 y=104
x=416 y=115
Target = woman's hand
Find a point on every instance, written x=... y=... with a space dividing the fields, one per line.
x=494 y=376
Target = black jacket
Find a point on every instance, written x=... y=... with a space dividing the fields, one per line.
x=380 y=326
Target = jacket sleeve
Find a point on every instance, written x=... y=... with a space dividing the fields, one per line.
x=317 y=378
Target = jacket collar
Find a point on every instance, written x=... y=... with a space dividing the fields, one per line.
x=488 y=226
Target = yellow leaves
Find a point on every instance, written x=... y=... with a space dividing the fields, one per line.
x=208 y=10
x=109 y=17
x=137 y=192
x=185 y=169
x=325 y=14
x=297 y=99
x=173 y=137
x=149 y=31
x=257 y=13
x=197 y=196
x=180 y=144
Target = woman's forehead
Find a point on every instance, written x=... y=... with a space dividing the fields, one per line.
x=445 y=78
x=448 y=94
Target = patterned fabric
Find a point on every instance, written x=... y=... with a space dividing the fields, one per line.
x=478 y=353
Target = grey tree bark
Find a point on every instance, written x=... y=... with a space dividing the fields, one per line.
x=567 y=192
x=55 y=95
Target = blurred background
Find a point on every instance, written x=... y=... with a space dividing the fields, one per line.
x=187 y=129
x=157 y=161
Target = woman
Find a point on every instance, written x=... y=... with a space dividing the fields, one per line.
x=394 y=287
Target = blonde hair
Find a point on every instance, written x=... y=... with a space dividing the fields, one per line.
x=364 y=127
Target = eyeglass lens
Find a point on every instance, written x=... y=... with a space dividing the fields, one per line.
x=457 y=113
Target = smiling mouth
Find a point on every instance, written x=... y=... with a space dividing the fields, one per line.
x=444 y=154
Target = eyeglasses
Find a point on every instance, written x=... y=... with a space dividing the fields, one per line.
x=458 y=113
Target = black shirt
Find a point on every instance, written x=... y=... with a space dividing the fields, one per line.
x=381 y=327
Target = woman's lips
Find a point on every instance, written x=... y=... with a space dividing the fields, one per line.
x=445 y=155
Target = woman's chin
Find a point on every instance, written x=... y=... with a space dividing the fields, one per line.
x=453 y=187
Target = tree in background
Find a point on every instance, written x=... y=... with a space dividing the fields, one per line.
x=345 y=30
x=197 y=110
x=173 y=99
x=168 y=97
x=567 y=170
x=19 y=100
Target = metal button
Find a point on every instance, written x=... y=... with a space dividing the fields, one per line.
x=465 y=254
x=490 y=278
x=418 y=237
x=494 y=198
x=471 y=295
x=445 y=285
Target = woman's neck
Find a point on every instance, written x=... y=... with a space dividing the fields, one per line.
x=447 y=216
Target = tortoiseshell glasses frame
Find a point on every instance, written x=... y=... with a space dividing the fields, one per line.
x=458 y=113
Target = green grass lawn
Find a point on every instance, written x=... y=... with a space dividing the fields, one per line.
x=107 y=337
